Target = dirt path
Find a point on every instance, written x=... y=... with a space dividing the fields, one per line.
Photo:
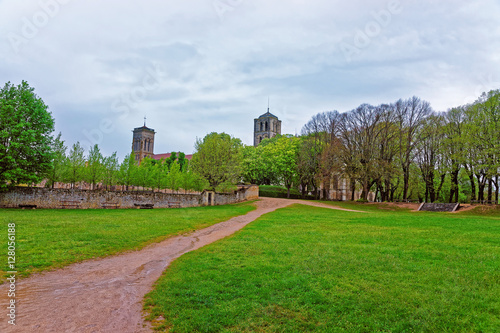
x=105 y=295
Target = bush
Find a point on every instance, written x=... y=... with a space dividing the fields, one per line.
x=281 y=192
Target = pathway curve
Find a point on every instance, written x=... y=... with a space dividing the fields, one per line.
x=105 y=295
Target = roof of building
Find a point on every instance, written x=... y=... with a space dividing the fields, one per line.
x=144 y=128
x=268 y=114
x=165 y=156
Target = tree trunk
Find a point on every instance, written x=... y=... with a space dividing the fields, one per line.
x=406 y=179
x=353 y=189
x=454 y=186
x=472 y=185
x=490 y=189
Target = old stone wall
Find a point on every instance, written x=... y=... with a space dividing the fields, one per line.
x=53 y=198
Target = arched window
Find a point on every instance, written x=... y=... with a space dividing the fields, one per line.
x=267 y=127
x=261 y=127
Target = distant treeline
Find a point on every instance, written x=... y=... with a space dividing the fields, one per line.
x=400 y=151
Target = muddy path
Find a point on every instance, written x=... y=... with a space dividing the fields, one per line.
x=105 y=295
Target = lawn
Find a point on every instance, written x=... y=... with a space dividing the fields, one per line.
x=47 y=239
x=307 y=269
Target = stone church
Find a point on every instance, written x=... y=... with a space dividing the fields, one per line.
x=265 y=127
x=143 y=140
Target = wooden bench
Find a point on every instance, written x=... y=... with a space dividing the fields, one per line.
x=70 y=204
x=27 y=206
x=144 y=206
x=174 y=204
x=110 y=205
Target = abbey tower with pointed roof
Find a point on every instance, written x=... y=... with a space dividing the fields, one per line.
x=266 y=126
x=143 y=142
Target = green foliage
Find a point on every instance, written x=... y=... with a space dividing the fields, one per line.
x=25 y=136
x=127 y=170
x=218 y=159
x=75 y=165
x=272 y=191
x=305 y=269
x=110 y=170
x=174 y=178
x=58 y=166
x=143 y=175
x=94 y=169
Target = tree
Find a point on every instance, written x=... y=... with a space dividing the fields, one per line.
x=410 y=115
x=25 y=136
x=159 y=174
x=94 y=170
x=218 y=159
x=75 y=165
x=143 y=175
x=174 y=179
x=308 y=163
x=110 y=170
x=283 y=164
x=428 y=154
x=127 y=170
x=57 y=168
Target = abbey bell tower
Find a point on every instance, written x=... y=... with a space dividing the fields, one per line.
x=265 y=127
x=143 y=142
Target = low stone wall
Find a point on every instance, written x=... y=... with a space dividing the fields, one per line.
x=53 y=198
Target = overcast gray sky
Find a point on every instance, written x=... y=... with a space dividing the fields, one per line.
x=194 y=67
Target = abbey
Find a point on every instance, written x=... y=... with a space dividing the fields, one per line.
x=265 y=127
x=143 y=142
x=143 y=139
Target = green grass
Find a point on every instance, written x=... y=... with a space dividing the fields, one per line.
x=306 y=269
x=47 y=239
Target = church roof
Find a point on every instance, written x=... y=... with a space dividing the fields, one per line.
x=160 y=156
x=268 y=114
x=144 y=128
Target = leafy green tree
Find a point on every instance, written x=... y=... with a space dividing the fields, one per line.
x=183 y=162
x=308 y=163
x=174 y=178
x=253 y=166
x=218 y=159
x=127 y=170
x=94 y=170
x=160 y=174
x=284 y=152
x=57 y=168
x=110 y=169
x=75 y=165
x=25 y=136
x=143 y=175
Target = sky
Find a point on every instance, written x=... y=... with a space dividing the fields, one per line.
x=201 y=66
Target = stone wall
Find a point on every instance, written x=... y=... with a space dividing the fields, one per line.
x=52 y=198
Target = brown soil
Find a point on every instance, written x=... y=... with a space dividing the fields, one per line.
x=105 y=295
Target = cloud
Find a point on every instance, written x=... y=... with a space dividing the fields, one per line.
x=199 y=66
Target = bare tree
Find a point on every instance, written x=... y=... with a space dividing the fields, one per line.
x=410 y=116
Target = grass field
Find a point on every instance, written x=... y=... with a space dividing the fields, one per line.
x=47 y=239
x=305 y=269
